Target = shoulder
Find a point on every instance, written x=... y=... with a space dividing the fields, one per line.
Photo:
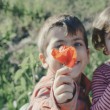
x=101 y=70
x=45 y=81
x=42 y=86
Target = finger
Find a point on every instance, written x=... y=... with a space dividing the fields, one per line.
x=63 y=79
x=64 y=88
x=64 y=97
x=63 y=71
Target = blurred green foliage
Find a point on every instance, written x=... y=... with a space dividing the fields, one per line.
x=20 y=21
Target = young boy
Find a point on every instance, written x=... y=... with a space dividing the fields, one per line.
x=62 y=88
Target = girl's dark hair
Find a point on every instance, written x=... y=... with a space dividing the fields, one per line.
x=101 y=26
x=98 y=39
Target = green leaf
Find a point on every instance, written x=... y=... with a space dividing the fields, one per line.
x=23 y=83
x=18 y=74
x=22 y=96
x=32 y=61
x=24 y=64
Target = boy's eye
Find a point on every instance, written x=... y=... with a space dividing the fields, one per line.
x=77 y=44
x=58 y=46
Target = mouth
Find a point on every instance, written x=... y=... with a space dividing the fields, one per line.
x=77 y=62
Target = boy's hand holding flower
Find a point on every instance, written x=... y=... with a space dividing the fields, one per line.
x=63 y=86
x=67 y=56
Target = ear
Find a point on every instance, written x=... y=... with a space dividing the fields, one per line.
x=106 y=52
x=88 y=55
x=43 y=60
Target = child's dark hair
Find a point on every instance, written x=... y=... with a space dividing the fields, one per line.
x=72 y=23
x=101 y=27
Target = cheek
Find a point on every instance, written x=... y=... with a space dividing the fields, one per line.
x=108 y=46
x=107 y=41
x=85 y=56
x=82 y=52
x=85 y=62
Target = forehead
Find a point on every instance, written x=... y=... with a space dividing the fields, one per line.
x=61 y=33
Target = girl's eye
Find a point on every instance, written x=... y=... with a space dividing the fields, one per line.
x=77 y=44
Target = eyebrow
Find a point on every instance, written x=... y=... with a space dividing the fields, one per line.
x=78 y=39
x=75 y=39
x=60 y=41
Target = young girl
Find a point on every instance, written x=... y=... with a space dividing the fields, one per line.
x=101 y=76
x=63 y=88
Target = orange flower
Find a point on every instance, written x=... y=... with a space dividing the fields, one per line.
x=65 y=55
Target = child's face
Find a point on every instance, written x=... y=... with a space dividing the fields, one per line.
x=57 y=38
x=107 y=42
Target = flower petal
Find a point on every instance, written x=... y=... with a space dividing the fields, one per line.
x=65 y=55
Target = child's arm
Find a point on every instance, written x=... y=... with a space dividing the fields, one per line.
x=101 y=92
x=63 y=86
x=65 y=89
x=48 y=98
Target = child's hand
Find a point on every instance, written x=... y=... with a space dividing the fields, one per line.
x=63 y=85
